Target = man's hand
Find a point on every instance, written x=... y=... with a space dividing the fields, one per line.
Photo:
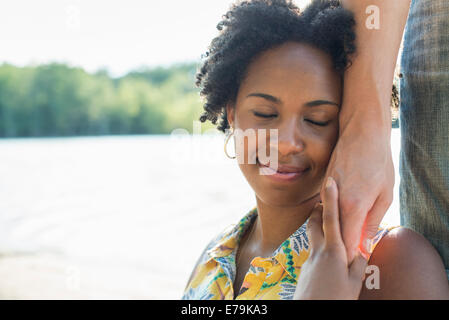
x=362 y=166
x=361 y=162
x=327 y=274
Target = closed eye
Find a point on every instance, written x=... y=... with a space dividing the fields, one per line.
x=263 y=115
x=321 y=124
x=268 y=116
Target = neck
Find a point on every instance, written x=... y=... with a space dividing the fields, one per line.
x=275 y=224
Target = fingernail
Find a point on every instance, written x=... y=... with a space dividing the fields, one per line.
x=329 y=182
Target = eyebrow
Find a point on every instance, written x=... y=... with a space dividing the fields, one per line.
x=279 y=101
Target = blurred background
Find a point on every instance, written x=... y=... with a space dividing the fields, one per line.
x=109 y=186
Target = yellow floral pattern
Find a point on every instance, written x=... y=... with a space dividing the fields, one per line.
x=272 y=278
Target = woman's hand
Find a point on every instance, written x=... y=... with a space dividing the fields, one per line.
x=326 y=273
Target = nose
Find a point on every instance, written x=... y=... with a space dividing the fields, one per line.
x=290 y=138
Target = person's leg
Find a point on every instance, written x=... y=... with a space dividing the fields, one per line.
x=424 y=123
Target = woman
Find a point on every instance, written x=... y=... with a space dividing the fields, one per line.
x=273 y=67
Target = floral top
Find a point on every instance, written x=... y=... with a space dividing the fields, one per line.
x=272 y=278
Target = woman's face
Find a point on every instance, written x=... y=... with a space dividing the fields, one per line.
x=292 y=88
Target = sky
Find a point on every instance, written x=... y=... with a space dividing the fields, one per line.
x=116 y=35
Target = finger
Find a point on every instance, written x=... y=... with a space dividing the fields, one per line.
x=373 y=219
x=314 y=226
x=353 y=214
x=357 y=268
x=331 y=224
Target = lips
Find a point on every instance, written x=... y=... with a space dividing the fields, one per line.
x=284 y=174
x=284 y=168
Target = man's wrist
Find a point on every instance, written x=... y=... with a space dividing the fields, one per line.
x=366 y=119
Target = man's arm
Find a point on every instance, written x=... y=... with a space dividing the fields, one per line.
x=369 y=80
x=361 y=162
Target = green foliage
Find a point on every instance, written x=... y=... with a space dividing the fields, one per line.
x=58 y=100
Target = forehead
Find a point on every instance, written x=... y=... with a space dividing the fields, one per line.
x=292 y=67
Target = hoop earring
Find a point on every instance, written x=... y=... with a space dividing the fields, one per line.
x=226 y=143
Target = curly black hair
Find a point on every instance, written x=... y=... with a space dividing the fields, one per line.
x=251 y=27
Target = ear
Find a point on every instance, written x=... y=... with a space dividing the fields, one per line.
x=230 y=114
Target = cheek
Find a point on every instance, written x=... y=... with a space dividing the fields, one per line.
x=320 y=150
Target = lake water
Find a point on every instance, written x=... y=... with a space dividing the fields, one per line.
x=116 y=217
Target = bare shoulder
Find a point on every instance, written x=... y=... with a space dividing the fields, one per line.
x=409 y=268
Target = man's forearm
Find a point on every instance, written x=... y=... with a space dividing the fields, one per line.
x=368 y=82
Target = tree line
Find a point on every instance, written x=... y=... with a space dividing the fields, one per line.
x=60 y=100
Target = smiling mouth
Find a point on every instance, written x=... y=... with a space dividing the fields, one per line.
x=282 y=173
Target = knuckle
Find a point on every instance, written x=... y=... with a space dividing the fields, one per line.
x=331 y=249
x=351 y=204
x=385 y=199
x=389 y=199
